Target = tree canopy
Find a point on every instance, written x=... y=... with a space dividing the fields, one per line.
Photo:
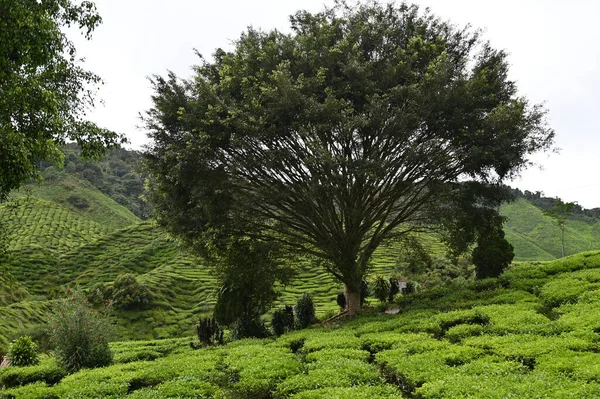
x=363 y=124
x=44 y=91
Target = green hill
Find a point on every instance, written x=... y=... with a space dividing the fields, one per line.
x=83 y=199
x=66 y=232
x=537 y=237
x=532 y=333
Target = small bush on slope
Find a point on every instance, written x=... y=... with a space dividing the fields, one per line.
x=81 y=334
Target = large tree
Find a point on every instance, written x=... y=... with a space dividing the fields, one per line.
x=363 y=124
x=44 y=90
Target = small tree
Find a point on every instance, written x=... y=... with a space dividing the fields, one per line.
x=560 y=213
x=283 y=320
x=381 y=288
x=493 y=252
x=305 y=311
x=81 y=333
x=248 y=270
x=209 y=332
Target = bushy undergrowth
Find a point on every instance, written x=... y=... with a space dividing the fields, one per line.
x=80 y=333
x=489 y=339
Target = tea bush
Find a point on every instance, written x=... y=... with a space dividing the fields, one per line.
x=48 y=372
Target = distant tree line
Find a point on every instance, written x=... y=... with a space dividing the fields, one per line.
x=117 y=175
x=538 y=199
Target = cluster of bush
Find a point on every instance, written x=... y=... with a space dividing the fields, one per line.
x=125 y=293
x=77 y=332
x=287 y=319
x=380 y=288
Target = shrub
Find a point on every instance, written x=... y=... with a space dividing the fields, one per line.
x=283 y=320
x=81 y=334
x=394 y=289
x=209 y=332
x=50 y=373
x=364 y=292
x=23 y=352
x=99 y=294
x=248 y=327
x=381 y=289
x=305 y=311
x=341 y=300
x=129 y=294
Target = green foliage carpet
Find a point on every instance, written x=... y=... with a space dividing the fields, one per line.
x=532 y=333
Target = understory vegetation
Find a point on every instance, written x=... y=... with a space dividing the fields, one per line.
x=533 y=332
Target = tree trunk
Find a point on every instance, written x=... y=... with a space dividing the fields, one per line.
x=562 y=240
x=352 y=298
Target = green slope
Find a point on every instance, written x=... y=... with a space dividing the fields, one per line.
x=537 y=237
x=32 y=221
x=532 y=333
x=80 y=197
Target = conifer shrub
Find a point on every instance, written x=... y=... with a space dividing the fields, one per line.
x=394 y=289
x=283 y=320
x=80 y=333
x=23 y=352
x=209 y=332
x=381 y=288
x=305 y=311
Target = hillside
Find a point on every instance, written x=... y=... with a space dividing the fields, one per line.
x=537 y=237
x=66 y=232
x=532 y=333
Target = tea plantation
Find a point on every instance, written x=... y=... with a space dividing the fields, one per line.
x=532 y=333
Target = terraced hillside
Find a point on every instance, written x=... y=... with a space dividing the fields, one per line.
x=80 y=197
x=537 y=237
x=532 y=333
x=66 y=233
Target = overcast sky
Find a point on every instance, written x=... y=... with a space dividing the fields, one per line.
x=553 y=45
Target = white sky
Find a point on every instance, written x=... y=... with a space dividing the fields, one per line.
x=553 y=45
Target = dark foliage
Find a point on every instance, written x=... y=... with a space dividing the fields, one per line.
x=394 y=289
x=341 y=300
x=209 y=332
x=283 y=320
x=305 y=311
x=248 y=327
